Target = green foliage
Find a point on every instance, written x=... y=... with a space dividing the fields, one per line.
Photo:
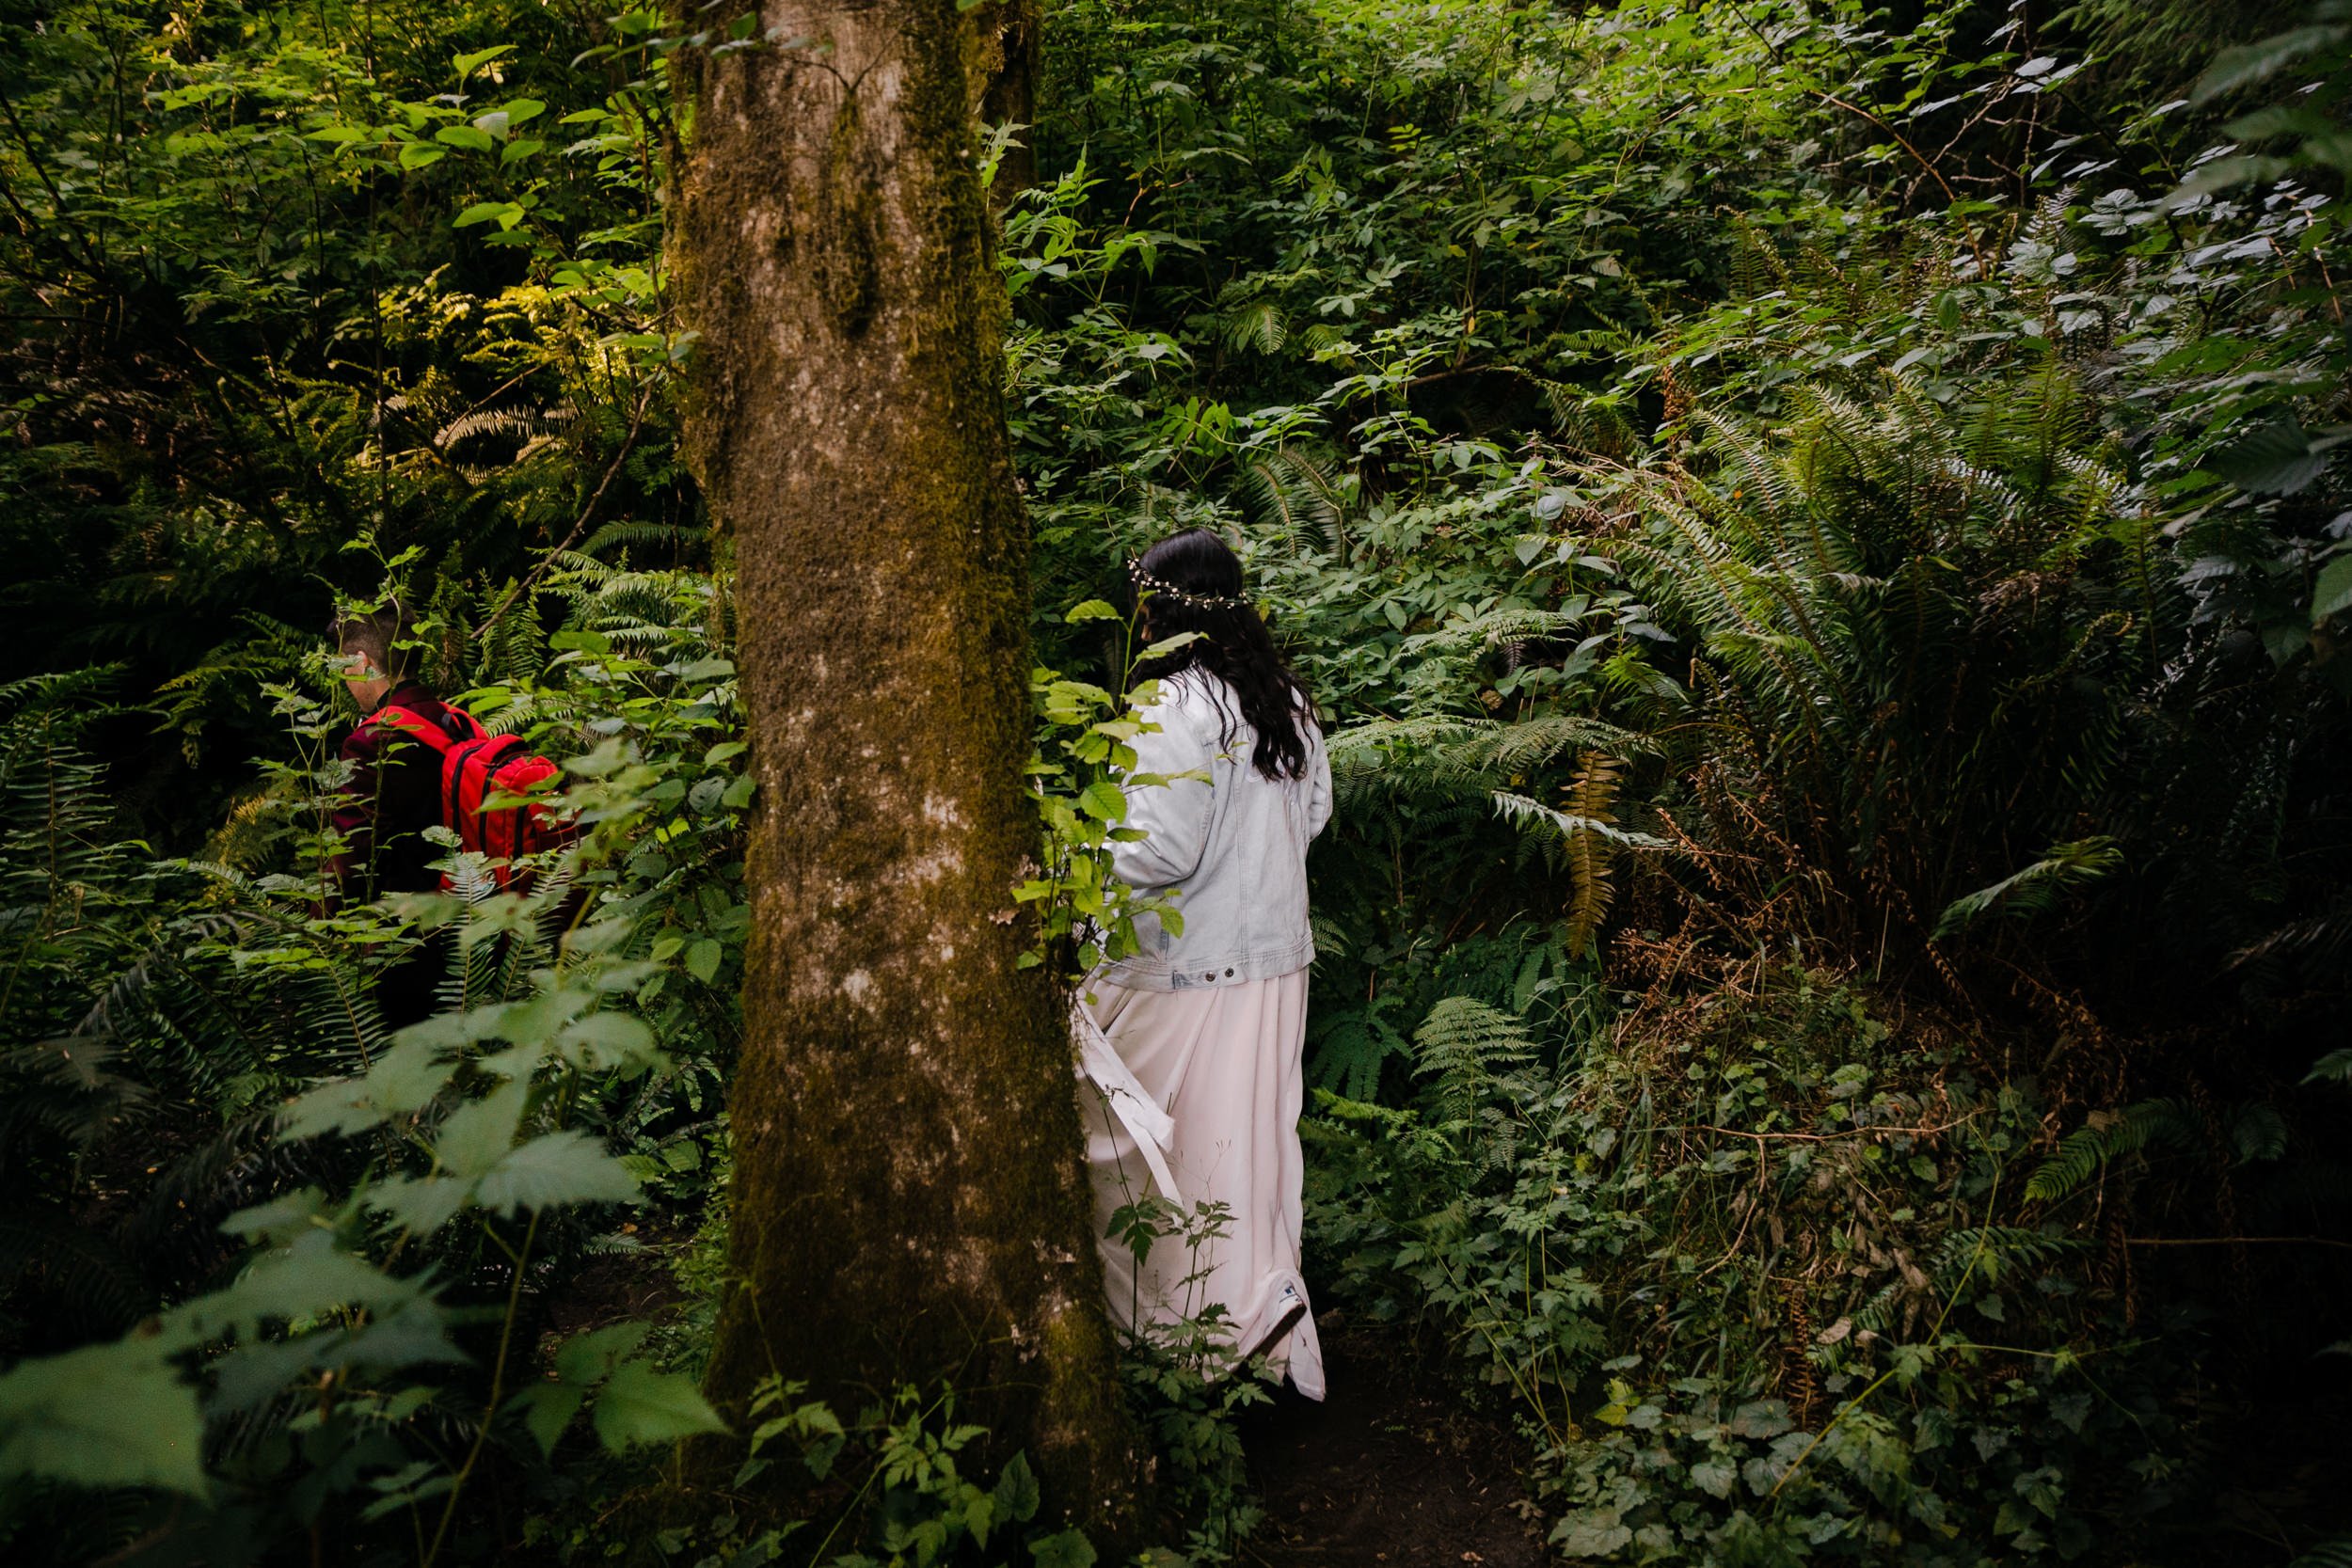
x=1749 y=1287
x=1780 y=483
x=1085 y=764
x=2079 y=1155
x=396 y=1187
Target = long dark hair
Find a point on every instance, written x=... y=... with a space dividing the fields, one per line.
x=1192 y=582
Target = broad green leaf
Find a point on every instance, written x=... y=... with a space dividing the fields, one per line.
x=478 y=1133
x=1068 y=1549
x=466 y=65
x=1593 y=1532
x=1017 y=1492
x=562 y=1167
x=2276 y=459
x=2332 y=593
x=423 y=1204
x=282 y=1219
x=305 y=1279
x=403 y=1079
x=547 y=1409
x=2249 y=63
x=1103 y=800
x=590 y=1357
x=603 y=1041
x=702 y=958
x=638 y=1405
x=103 y=1416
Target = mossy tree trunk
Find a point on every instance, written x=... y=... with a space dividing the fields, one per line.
x=909 y=1201
x=1008 y=56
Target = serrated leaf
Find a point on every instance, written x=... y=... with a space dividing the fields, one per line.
x=2335 y=1066
x=478 y=1135
x=1017 y=1492
x=1714 y=1477
x=103 y=1416
x=1068 y=1549
x=2332 y=593
x=1103 y=800
x=282 y=1219
x=403 y=1079
x=638 y=1405
x=561 y=1168
x=589 y=1357
x=1590 y=1532
x=547 y=1409
x=2276 y=459
x=421 y=1203
x=602 y=1042
x=2249 y=63
x=702 y=958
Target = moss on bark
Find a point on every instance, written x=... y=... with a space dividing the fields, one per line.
x=908 y=1201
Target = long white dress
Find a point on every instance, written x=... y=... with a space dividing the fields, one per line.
x=1225 y=1063
x=1191 y=1046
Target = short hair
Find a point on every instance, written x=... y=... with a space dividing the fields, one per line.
x=378 y=633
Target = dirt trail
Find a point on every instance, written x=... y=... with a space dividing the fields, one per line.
x=1391 y=1472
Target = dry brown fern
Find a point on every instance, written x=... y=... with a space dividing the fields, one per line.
x=1589 y=854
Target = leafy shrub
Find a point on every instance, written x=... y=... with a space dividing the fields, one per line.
x=1758 y=1276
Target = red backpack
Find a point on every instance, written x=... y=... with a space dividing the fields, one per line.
x=477 y=765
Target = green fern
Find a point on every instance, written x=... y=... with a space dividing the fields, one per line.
x=2036 y=887
x=1463 y=1046
x=1353 y=1046
x=1295 y=497
x=2111 y=1135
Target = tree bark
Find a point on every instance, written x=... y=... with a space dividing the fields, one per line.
x=909 y=1201
x=1008 y=60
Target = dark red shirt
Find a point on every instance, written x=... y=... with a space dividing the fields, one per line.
x=394 y=794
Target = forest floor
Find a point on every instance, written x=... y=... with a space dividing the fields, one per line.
x=1391 y=1471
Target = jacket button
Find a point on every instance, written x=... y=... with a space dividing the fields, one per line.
x=1210 y=976
x=1229 y=974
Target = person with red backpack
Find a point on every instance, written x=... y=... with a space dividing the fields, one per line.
x=394 y=792
x=418 y=763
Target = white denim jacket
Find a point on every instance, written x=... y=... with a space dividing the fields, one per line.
x=1231 y=846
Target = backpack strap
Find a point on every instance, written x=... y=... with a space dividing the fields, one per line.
x=418 y=727
x=456 y=734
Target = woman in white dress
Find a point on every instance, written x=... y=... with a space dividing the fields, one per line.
x=1208 y=1025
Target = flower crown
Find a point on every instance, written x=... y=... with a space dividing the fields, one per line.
x=1148 y=583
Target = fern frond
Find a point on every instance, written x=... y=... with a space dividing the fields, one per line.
x=1523 y=811
x=1463 y=1044
x=1260 y=325
x=1589 y=855
x=2036 y=887
x=2109 y=1136
x=624 y=533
